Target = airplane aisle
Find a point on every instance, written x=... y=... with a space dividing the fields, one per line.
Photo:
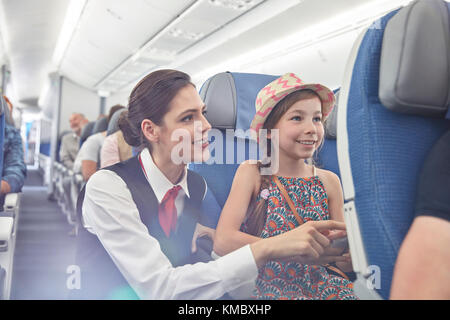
x=44 y=249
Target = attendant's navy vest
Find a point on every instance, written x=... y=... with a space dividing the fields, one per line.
x=100 y=278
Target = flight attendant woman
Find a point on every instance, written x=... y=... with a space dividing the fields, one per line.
x=140 y=216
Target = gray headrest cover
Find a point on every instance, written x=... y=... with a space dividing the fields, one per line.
x=100 y=125
x=113 y=124
x=415 y=60
x=219 y=96
x=331 y=122
x=87 y=130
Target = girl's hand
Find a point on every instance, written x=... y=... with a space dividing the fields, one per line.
x=346 y=265
x=306 y=244
x=200 y=231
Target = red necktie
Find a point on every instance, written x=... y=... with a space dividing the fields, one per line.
x=167 y=212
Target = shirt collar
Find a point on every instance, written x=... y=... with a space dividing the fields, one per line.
x=158 y=181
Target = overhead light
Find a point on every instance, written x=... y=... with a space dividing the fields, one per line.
x=103 y=93
x=135 y=56
x=178 y=33
x=234 y=4
x=73 y=15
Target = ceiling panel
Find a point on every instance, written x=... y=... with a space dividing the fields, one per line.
x=110 y=31
x=31 y=29
x=198 y=22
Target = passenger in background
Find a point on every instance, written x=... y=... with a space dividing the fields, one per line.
x=70 y=143
x=14 y=168
x=423 y=262
x=115 y=149
x=87 y=161
x=263 y=205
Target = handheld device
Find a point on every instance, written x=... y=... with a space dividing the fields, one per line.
x=341 y=243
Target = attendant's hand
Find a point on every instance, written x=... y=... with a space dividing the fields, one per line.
x=200 y=231
x=5 y=188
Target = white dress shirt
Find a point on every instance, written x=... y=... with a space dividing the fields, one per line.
x=110 y=212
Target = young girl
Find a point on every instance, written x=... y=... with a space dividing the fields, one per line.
x=141 y=217
x=297 y=194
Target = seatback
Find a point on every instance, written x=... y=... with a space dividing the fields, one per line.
x=230 y=99
x=326 y=157
x=381 y=151
x=113 y=124
x=86 y=131
x=100 y=125
x=58 y=143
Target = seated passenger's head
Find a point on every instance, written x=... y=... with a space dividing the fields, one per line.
x=166 y=114
x=297 y=111
x=77 y=122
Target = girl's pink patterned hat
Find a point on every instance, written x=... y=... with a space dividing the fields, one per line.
x=270 y=95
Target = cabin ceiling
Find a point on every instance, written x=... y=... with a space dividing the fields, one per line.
x=116 y=41
x=30 y=30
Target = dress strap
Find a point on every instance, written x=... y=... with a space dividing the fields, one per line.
x=314 y=171
x=288 y=200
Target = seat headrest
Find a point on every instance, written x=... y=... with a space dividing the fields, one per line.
x=415 y=60
x=86 y=131
x=331 y=121
x=113 y=125
x=100 y=125
x=3 y=105
x=230 y=98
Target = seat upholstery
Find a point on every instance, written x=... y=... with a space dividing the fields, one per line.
x=100 y=125
x=86 y=131
x=386 y=149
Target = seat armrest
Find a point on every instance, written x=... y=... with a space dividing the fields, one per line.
x=11 y=201
x=6 y=228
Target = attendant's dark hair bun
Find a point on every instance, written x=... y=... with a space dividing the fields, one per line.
x=150 y=99
x=130 y=134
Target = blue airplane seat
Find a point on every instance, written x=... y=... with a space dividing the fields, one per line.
x=86 y=131
x=402 y=59
x=326 y=157
x=100 y=125
x=230 y=99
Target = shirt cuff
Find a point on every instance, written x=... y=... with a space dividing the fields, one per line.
x=238 y=268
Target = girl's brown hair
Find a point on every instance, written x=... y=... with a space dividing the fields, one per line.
x=150 y=99
x=257 y=216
